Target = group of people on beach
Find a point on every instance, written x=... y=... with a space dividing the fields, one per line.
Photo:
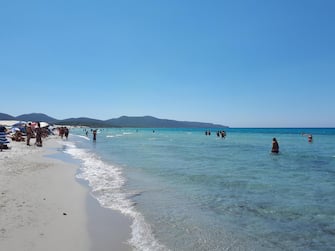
x=63 y=131
x=25 y=134
x=32 y=131
x=36 y=132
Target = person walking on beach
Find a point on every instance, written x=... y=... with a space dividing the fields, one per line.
x=61 y=132
x=29 y=132
x=275 y=146
x=38 y=134
x=66 y=132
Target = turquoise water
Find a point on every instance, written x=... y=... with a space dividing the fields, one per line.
x=188 y=191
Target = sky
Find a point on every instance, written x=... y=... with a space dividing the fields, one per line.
x=241 y=63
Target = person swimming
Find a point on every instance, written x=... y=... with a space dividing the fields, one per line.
x=310 y=138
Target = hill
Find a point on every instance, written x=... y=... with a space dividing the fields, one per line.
x=36 y=117
x=83 y=122
x=4 y=116
x=123 y=121
x=149 y=121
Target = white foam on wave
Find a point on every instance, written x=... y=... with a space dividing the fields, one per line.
x=113 y=136
x=119 y=135
x=83 y=137
x=107 y=184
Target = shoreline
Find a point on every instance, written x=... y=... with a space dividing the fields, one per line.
x=43 y=206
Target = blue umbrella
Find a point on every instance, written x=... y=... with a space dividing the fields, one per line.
x=20 y=124
x=15 y=129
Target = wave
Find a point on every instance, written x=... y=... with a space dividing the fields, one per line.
x=119 y=135
x=83 y=137
x=114 y=136
x=107 y=184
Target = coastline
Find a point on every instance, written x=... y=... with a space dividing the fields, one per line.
x=44 y=207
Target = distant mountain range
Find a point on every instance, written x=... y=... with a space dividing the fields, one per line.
x=124 y=121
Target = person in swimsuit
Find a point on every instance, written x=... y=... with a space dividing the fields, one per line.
x=94 y=135
x=310 y=138
x=38 y=135
x=30 y=133
x=275 y=146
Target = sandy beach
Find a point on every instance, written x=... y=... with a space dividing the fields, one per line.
x=44 y=207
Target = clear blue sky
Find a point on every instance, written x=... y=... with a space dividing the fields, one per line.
x=260 y=63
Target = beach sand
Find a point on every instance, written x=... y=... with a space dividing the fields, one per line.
x=44 y=207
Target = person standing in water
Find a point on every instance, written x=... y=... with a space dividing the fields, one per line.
x=94 y=135
x=275 y=146
x=310 y=138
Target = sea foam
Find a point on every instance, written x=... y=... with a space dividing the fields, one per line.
x=106 y=182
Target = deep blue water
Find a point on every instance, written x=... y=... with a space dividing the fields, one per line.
x=188 y=191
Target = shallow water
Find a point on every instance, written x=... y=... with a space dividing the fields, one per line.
x=188 y=191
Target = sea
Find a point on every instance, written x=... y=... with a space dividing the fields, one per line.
x=185 y=190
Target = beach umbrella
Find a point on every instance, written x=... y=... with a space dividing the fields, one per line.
x=8 y=123
x=19 y=124
x=44 y=124
x=15 y=129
